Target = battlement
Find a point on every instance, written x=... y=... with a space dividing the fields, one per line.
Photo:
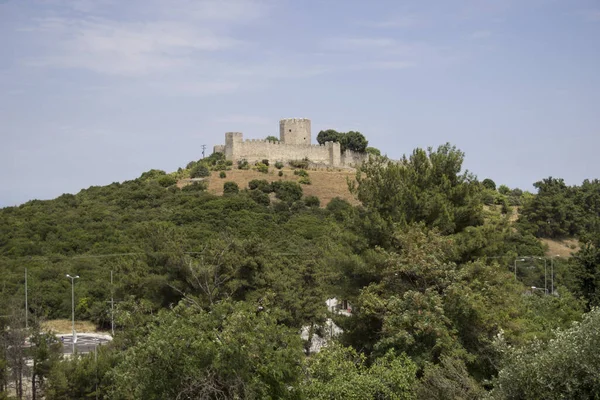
x=294 y=144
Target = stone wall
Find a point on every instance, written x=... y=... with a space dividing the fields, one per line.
x=353 y=159
x=257 y=150
x=294 y=144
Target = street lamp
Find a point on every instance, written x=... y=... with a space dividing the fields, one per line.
x=552 y=272
x=72 y=278
x=545 y=274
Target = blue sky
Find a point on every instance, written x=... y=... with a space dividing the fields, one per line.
x=97 y=91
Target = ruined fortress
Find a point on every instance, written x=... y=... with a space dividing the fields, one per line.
x=294 y=144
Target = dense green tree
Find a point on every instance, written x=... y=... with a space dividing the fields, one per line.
x=271 y=138
x=426 y=187
x=563 y=368
x=339 y=372
x=489 y=184
x=328 y=135
x=354 y=141
x=231 y=351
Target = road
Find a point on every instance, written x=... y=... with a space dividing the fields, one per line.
x=86 y=342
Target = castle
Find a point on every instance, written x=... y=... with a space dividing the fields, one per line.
x=294 y=144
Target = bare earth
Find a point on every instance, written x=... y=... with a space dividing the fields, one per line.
x=64 y=325
x=561 y=248
x=324 y=184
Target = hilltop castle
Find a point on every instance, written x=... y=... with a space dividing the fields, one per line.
x=294 y=144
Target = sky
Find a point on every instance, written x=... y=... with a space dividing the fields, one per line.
x=99 y=91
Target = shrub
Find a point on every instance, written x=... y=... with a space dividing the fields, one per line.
x=489 y=184
x=229 y=163
x=266 y=162
x=287 y=191
x=199 y=171
x=304 y=180
x=231 y=188
x=297 y=206
x=303 y=164
x=278 y=165
x=243 y=164
x=312 y=201
x=222 y=174
x=260 y=197
x=280 y=173
x=195 y=187
x=300 y=172
x=373 y=151
x=503 y=189
x=261 y=184
x=260 y=167
x=167 y=180
x=220 y=166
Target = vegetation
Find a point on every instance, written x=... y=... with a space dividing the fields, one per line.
x=351 y=140
x=212 y=291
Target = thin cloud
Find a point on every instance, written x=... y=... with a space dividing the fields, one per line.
x=481 y=35
x=119 y=48
x=357 y=43
x=402 y=21
x=245 y=120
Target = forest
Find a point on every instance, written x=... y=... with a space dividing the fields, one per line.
x=452 y=293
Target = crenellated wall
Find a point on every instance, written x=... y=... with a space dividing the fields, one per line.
x=256 y=150
x=294 y=145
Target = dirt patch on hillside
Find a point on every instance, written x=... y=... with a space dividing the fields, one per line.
x=324 y=184
x=64 y=326
x=562 y=248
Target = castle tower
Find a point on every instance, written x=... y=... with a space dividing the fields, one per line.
x=233 y=142
x=294 y=131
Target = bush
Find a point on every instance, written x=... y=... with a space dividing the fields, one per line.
x=489 y=184
x=195 y=187
x=266 y=162
x=261 y=184
x=199 y=171
x=220 y=166
x=312 y=201
x=280 y=173
x=222 y=174
x=304 y=180
x=243 y=164
x=260 y=167
x=152 y=174
x=287 y=191
x=167 y=180
x=278 y=165
x=301 y=172
x=373 y=151
x=260 y=197
x=297 y=206
x=231 y=188
x=229 y=163
x=303 y=164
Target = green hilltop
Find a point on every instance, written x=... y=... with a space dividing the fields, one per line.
x=450 y=296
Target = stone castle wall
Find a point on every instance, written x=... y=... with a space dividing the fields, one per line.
x=295 y=144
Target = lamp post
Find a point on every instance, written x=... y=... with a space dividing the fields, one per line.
x=545 y=274
x=73 y=307
x=552 y=272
